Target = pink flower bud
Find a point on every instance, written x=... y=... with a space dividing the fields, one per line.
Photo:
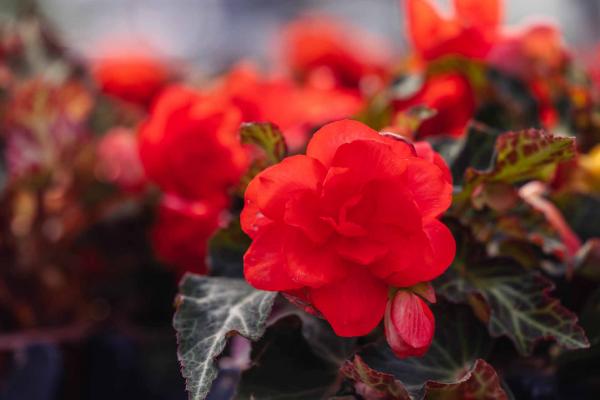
x=409 y=324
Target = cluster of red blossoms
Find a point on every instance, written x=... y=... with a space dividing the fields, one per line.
x=344 y=225
x=534 y=53
x=351 y=229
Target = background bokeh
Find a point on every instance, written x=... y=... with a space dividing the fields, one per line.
x=212 y=34
x=137 y=360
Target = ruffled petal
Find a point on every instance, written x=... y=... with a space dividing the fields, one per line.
x=361 y=251
x=310 y=264
x=429 y=186
x=326 y=141
x=367 y=160
x=426 y=152
x=443 y=249
x=387 y=203
x=353 y=306
x=273 y=186
x=403 y=265
x=252 y=220
x=302 y=212
x=419 y=258
x=265 y=262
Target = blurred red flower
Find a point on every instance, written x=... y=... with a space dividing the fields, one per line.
x=328 y=53
x=470 y=31
x=293 y=108
x=409 y=324
x=453 y=100
x=182 y=231
x=190 y=148
x=341 y=224
x=131 y=77
x=189 y=145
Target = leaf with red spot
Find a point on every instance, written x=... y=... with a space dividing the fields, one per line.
x=520 y=156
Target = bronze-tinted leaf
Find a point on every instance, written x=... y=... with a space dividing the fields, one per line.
x=451 y=368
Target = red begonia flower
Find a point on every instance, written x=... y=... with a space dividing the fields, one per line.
x=452 y=97
x=409 y=324
x=189 y=145
x=181 y=232
x=294 y=109
x=130 y=77
x=470 y=32
x=355 y=215
x=328 y=53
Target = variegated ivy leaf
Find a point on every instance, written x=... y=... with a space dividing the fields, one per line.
x=451 y=369
x=520 y=156
x=515 y=301
x=209 y=310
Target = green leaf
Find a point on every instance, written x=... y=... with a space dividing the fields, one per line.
x=209 y=310
x=384 y=383
x=518 y=300
x=474 y=71
x=318 y=333
x=475 y=149
x=520 y=156
x=269 y=144
x=408 y=121
x=507 y=103
x=226 y=251
x=286 y=365
x=452 y=368
x=377 y=113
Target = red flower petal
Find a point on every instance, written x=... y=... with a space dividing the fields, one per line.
x=265 y=262
x=311 y=264
x=420 y=257
x=132 y=77
x=426 y=152
x=275 y=184
x=429 y=185
x=403 y=265
x=426 y=26
x=326 y=141
x=252 y=219
x=409 y=325
x=361 y=251
x=388 y=203
x=483 y=13
x=189 y=145
x=302 y=212
x=443 y=249
x=353 y=306
x=181 y=233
